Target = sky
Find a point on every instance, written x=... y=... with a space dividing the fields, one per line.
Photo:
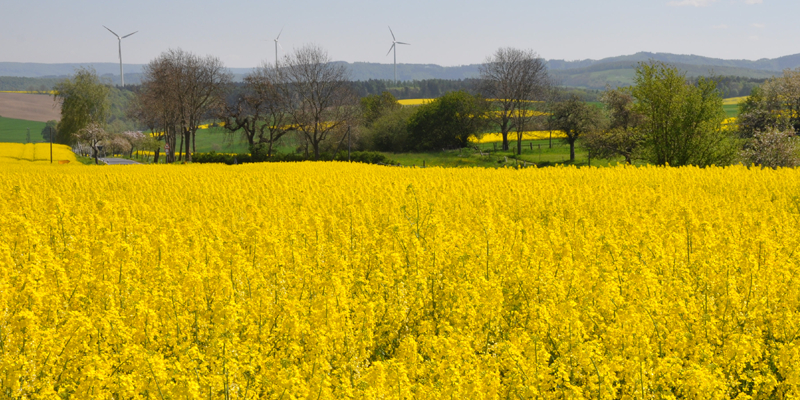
x=446 y=33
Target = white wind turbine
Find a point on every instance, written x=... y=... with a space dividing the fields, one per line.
x=119 y=39
x=394 y=47
x=276 y=48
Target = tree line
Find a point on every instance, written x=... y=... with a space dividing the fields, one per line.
x=663 y=119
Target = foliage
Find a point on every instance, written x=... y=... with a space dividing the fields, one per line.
x=773 y=148
x=231 y=159
x=93 y=135
x=354 y=281
x=49 y=130
x=84 y=101
x=775 y=105
x=575 y=118
x=683 y=122
x=447 y=122
x=390 y=131
x=375 y=106
x=621 y=136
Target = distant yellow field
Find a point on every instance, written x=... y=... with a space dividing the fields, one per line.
x=733 y=100
x=34 y=153
x=414 y=102
x=530 y=135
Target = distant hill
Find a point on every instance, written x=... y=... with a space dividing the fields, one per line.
x=592 y=74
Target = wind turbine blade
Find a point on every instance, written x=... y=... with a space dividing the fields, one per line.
x=390 y=49
x=129 y=35
x=390 y=31
x=111 y=31
x=403 y=43
x=279 y=34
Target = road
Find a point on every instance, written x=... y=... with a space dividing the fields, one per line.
x=118 y=161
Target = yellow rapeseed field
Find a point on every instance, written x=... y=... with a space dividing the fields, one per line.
x=34 y=153
x=414 y=102
x=529 y=135
x=336 y=280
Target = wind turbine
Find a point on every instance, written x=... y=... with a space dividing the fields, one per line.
x=119 y=39
x=276 y=48
x=394 y=47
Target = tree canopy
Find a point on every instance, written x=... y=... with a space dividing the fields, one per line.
x=84 y=100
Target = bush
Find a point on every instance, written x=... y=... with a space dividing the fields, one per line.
x=367 y=157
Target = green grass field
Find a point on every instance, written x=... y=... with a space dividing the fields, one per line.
x=536 y=152
x=16 y=130
x=731 y=110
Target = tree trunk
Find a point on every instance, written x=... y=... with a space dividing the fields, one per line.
x=180 y=149
x=572 y=151
x=188 y=146
x=519 y=143
x=155 y=155
x=505 y=141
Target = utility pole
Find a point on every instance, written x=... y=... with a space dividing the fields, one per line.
x=28 y=136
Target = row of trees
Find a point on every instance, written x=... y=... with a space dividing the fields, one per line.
x=663 y=119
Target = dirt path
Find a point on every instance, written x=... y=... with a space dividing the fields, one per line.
x=31 y=107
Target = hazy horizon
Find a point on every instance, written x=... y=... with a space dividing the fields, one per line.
x=241 y=33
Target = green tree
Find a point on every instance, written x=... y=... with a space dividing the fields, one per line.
x=375 y=106
x=620 y=137
x=49 y=129
x=683 y=122
x=84 y=100
x=390 y=131
x=448 y=122
x=575 y=118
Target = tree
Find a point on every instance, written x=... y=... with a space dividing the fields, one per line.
x=390 y=131
x=257 y=110
x=621 y=136
x=775 y=105
x=773 y=148
x=512 y=80
x=49 y=130
x=318 y=95
x=92 y=134
x=682 y=122
x=84 y=101
x=178 y=91
x=375 y=106
x=575 y=118
x=448 y=122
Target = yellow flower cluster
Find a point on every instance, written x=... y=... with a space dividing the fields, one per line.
x=34 y=153
x=336 y=280
x=512 y=136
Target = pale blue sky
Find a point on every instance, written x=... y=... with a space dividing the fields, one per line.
x=440 y=32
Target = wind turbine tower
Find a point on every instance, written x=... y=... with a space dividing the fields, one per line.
x=276 y=48
x=394 y=47
x=119 y=39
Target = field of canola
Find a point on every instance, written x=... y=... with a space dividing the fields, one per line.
x=335 y=280
x=38 y=153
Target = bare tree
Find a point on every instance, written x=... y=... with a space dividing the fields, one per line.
x=257 y=109
x=513 y=79
x=179 y=89
x=318 y=95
